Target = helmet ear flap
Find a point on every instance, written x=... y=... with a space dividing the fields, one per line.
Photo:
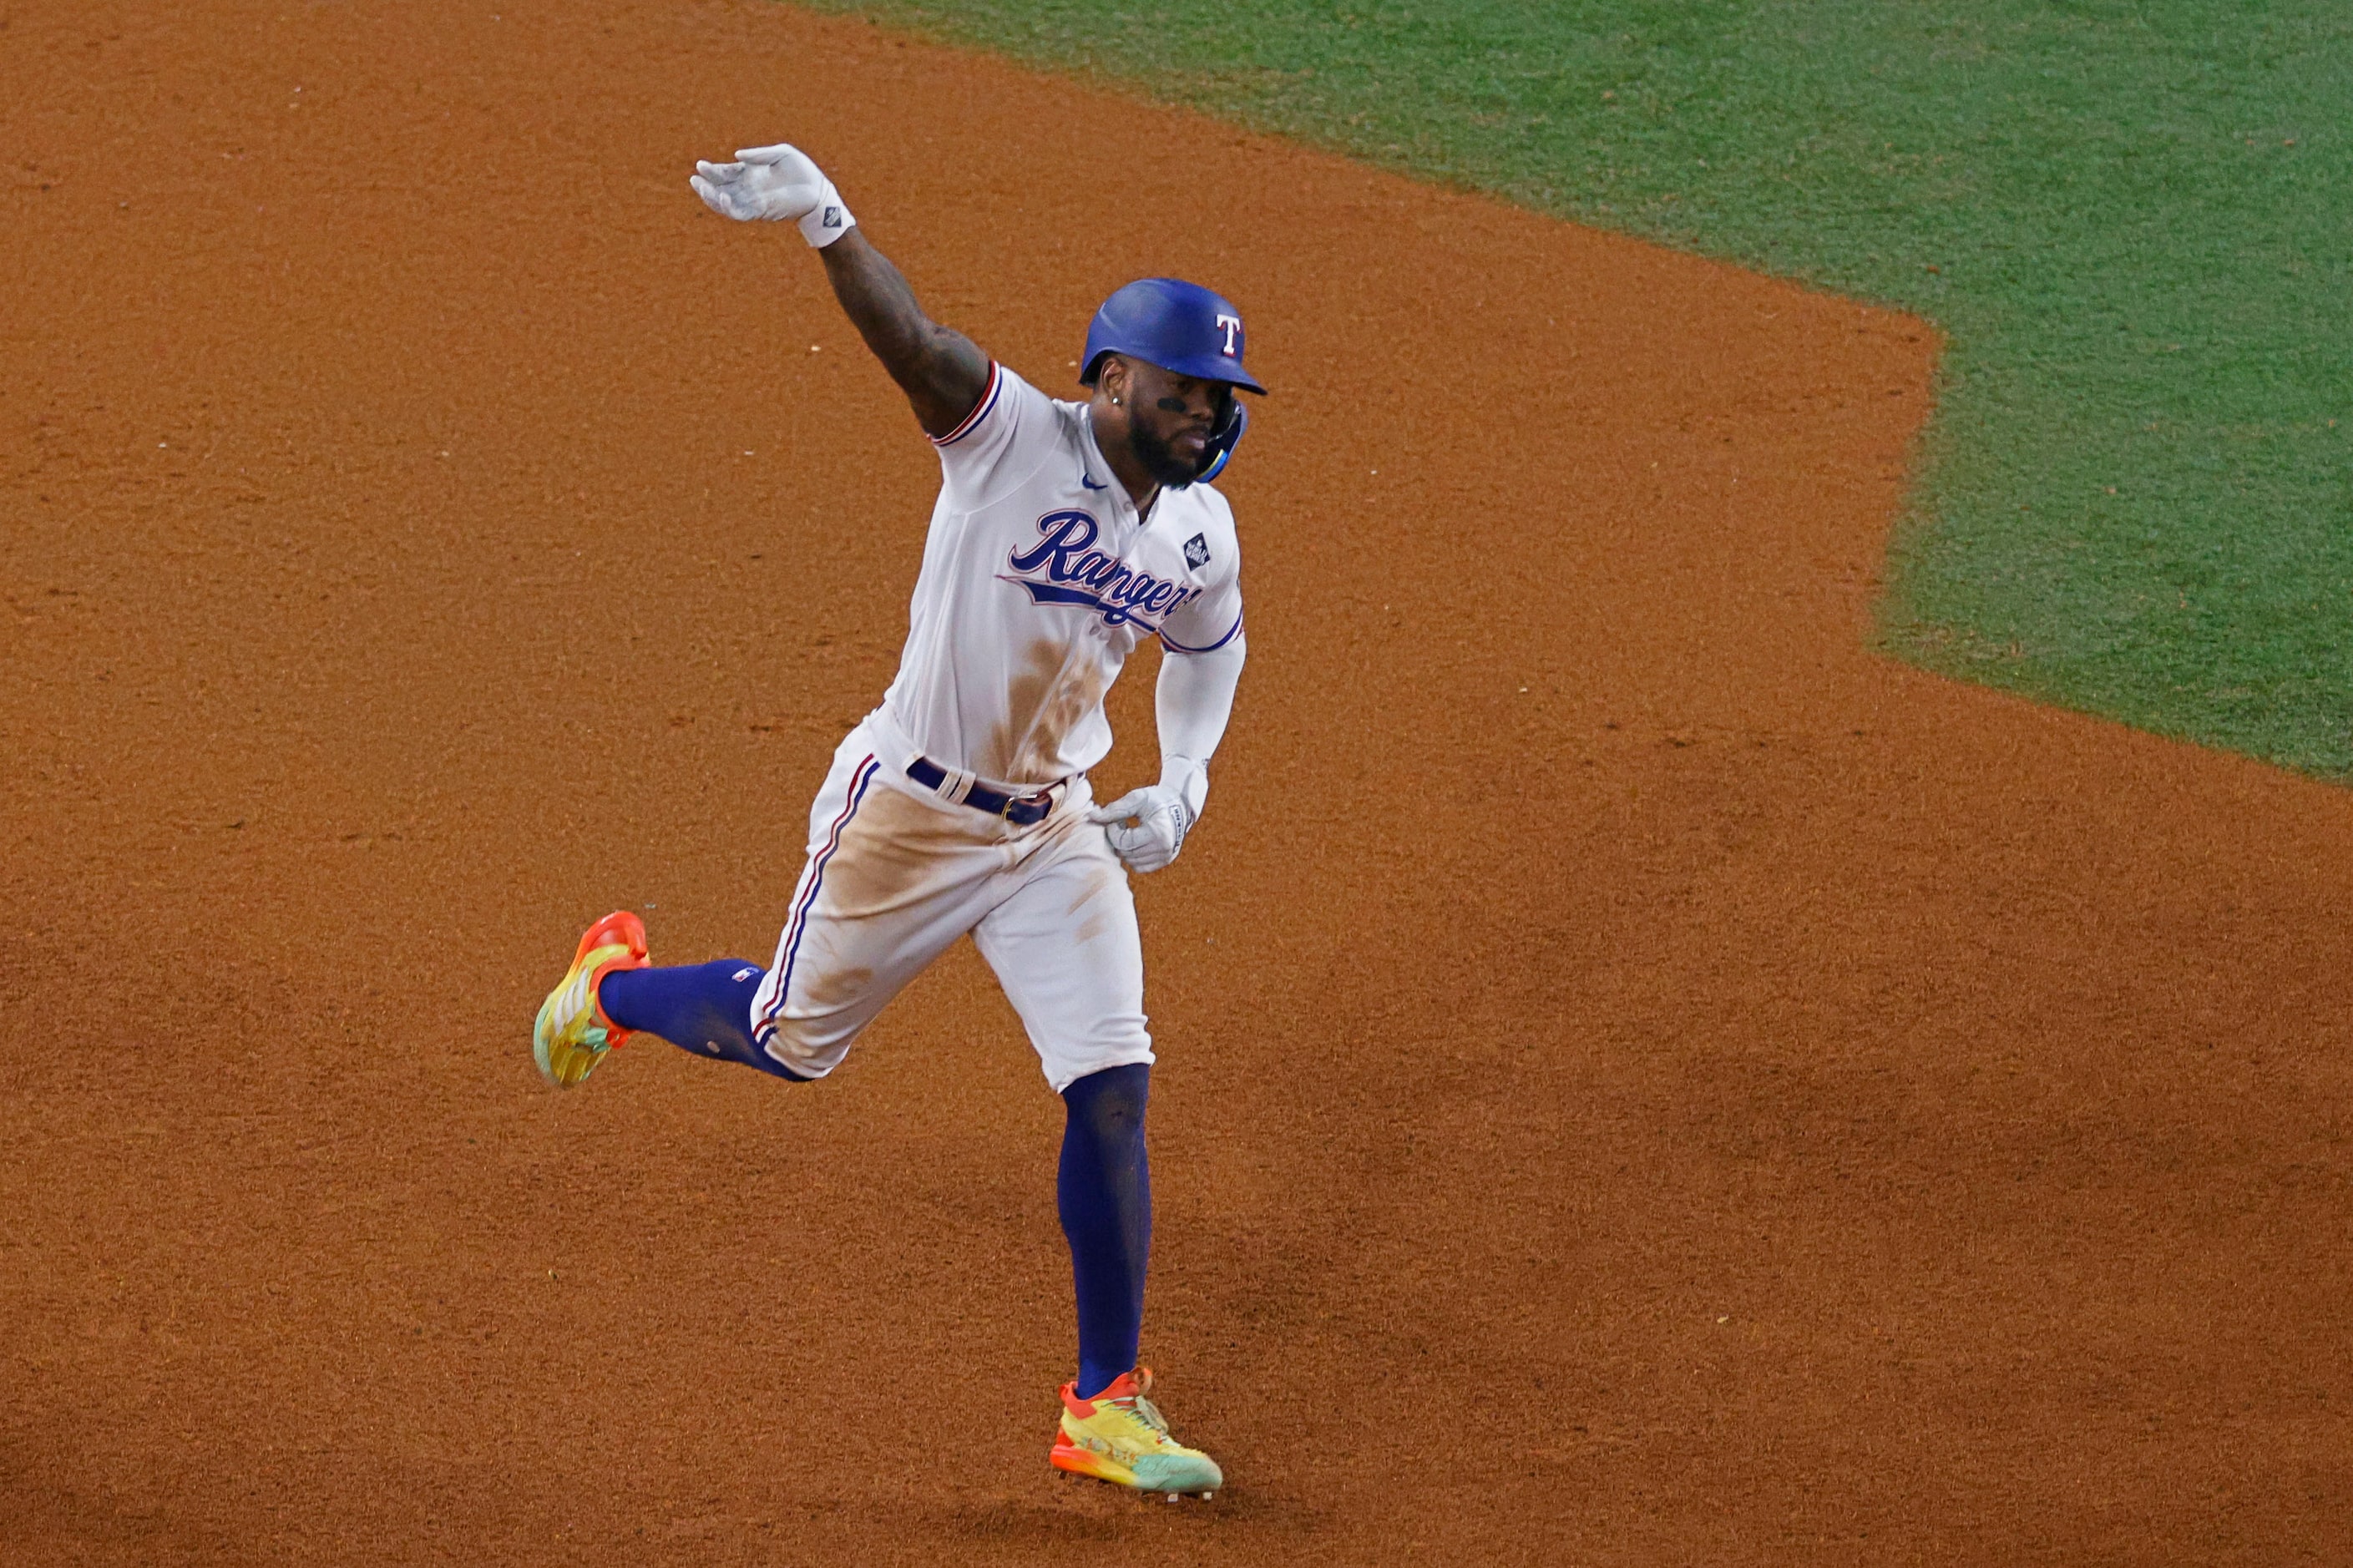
x=1224 y=437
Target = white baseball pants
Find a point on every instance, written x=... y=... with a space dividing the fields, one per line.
x=895 y=874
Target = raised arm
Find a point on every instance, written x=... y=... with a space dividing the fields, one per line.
x=940 y=370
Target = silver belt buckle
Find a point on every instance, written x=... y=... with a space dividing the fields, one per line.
x=1043 y=797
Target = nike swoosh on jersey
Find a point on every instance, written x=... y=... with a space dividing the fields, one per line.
x=1088 y=480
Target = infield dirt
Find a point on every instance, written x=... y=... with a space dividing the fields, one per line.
x=1643 y=1079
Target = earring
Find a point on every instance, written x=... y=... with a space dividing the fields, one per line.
x=1115 y=403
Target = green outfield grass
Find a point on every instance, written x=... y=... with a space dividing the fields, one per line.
x=2135 y=220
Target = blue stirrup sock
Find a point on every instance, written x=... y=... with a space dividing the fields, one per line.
x=1104 y=1192
x=705 y=1008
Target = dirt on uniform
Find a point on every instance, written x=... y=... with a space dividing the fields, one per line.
x=1643 y=1079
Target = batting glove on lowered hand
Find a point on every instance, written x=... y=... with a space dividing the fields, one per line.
x=1147 y=827
x=774 y=184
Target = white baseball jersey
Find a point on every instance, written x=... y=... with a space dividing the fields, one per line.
x=1038 y=579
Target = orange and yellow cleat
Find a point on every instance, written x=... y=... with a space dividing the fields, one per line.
x=1119 y=1436
x=572 y=1034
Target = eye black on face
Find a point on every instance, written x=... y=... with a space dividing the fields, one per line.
x=1182 y=393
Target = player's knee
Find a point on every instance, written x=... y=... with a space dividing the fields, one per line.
x=801 y=1050
x=1111 y=1103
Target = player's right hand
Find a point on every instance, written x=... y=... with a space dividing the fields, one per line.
x=774 y=184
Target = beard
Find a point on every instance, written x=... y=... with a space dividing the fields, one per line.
x=1160 y=460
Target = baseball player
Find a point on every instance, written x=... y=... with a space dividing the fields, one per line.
x=1064 y=534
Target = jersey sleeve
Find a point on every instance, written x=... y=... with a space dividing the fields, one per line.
x=1001 y=442
x=1211 y=618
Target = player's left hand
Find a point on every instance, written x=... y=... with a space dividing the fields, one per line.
x=1147 y=826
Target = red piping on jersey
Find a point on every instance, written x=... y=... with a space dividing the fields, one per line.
x=979 y=410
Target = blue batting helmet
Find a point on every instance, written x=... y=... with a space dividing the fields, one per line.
x=1174 y=324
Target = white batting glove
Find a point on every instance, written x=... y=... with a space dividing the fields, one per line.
x=774 y=184
x=1147 y=827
